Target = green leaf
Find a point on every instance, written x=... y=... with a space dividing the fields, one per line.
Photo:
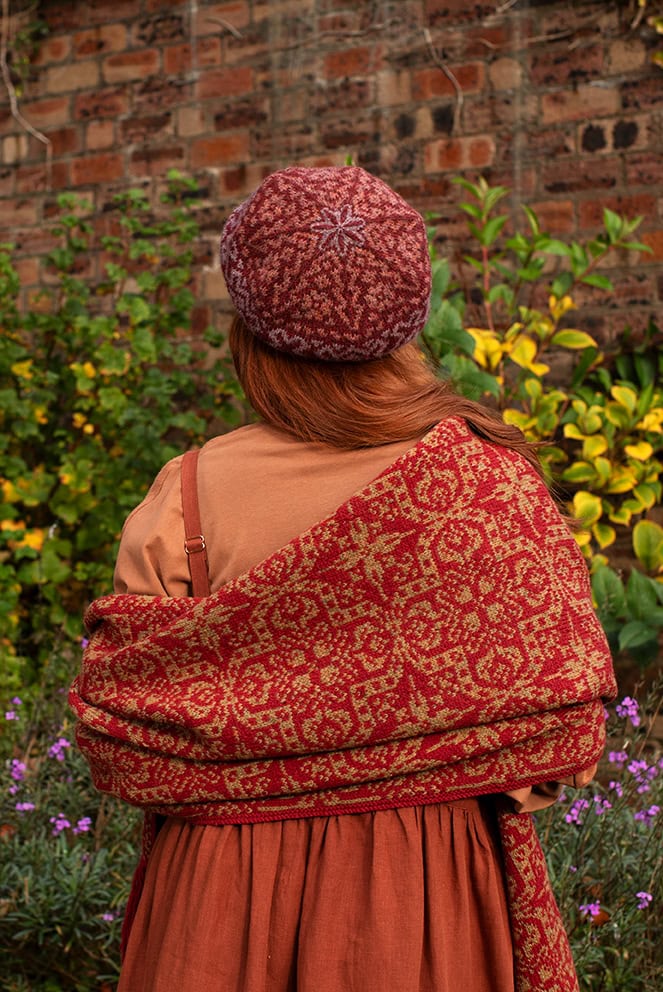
x=573 y=339
x=613 y=225
x=441 y=276
x=579 y=472
x=636 y=634
x=609 y=593
x=648 y=544
x=601 y=282
x=532 y=219
x=492 y=229
x=641 y=595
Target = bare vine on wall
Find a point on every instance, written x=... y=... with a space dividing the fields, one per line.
x=20 y=44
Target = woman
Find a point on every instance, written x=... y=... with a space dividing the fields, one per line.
x=342 y=741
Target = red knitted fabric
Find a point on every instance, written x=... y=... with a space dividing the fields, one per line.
x=432 y=639
x=328 y=263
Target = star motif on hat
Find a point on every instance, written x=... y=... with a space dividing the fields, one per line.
x=339 y=229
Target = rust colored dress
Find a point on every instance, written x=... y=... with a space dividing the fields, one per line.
x=404 y=900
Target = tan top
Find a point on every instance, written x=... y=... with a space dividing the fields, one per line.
x=258 y=489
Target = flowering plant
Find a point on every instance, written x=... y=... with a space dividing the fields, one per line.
x=603 y=847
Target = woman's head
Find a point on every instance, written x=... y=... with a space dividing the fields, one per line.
x=328 y=264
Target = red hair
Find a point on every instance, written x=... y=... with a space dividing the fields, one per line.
x=358 y=404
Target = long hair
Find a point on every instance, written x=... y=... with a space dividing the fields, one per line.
x=358 y=404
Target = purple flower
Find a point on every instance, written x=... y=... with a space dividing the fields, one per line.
x=590 y=908
x=644 y=898
x=84 y=642
x=57 y=749
x=575 y=811
x=573 y=869
x=13 y=789
x=83 y=825
x=24 y=807
x=628 y=708
x=17 y=769
x=618 y=758
x=616 y=787
x=11 y=715
x=108 y=917
x=643 y=774
x=17 y=701
x=647 y=816
x=60 y=823
x=601 y=805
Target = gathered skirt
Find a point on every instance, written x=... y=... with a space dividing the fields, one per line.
x=406 y=900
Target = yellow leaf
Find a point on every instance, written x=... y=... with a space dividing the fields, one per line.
x=571 y=338
x=9 y=491
x=640 y=451
x=587 y=507
x=583 y=537
x=622 y=479
x=604 y=535
x=594 y=446
x=79 y=419
x=572 y=430
x=22 y=370
x=625 y=397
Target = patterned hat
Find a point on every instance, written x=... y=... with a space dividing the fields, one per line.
x=328 y=263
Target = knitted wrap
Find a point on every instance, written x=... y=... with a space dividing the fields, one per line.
x=431 y=640
x=328 y=263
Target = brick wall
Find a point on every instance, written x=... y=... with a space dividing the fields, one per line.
x=558 y=101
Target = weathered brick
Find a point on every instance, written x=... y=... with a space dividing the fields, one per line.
x=654 y=240
x=505 y=74
x=579 y=175
x=100 y=40
x=253 y=41
x=102 y=103
x=164 y=27
x=131 y=65
x=241 y=113
x=555 y=216
x=146 y=129
x=179 y=58
x=155 y=161
x=225 y=82
x=499 y=110
x=64 y=141
x=456 y=11
x=615 y=134
x=14 y=148
x=42 y=178
x=432 y=82
x=645 y=170
x=288 y=141
x=7 y=181
x=347 y=132
x=190 y=121
x=237 y=180
x=158 y=92
x=626 y=55
x=75 y=76
x=100 y=134
x=158 y=5
x=215 y=152
x=331 y=96
x=16 y=211
x=352 y=61
x=91 y=169
x=208 y=19
x=579 y=104
x=590 y=212
x=641 y=93
x=565 y=66
x=28 y=271
x=459 y=153
x=52 y=50
x=214 y=285
x=393 y=88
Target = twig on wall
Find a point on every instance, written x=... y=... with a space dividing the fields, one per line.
x=441 y=64
x=11 y=89
x=226 y=25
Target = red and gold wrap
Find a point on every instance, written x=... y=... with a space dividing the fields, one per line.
x=433 y=639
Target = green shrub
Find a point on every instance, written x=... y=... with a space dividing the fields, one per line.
x=100 y=384
x=602 y=434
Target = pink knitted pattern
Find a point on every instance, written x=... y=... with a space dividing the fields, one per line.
x=328 y=263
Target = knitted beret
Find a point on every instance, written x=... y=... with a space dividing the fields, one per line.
x=328 y=263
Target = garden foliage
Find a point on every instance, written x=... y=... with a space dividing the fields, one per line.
x=101 y=381
x=100 y=384
x=601 y=434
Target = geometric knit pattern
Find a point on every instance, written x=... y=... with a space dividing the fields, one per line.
x=328 y=263
x=432 y=639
